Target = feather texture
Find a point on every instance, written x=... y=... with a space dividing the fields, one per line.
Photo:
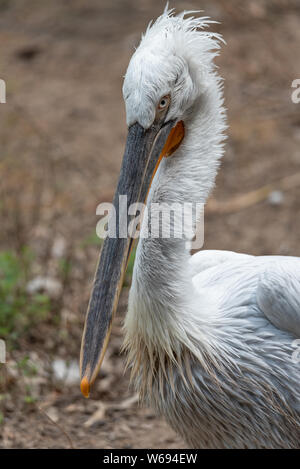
x=209 y=337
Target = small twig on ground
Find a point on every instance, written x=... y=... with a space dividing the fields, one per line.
x=57 y=425
x=244 y=201
x=41 y=411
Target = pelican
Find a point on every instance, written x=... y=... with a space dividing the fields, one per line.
x=210 y=337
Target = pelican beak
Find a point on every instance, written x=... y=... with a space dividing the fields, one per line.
x=143 y=153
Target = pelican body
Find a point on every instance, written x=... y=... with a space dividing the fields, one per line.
x=210 y=337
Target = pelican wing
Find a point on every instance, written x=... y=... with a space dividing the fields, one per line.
x=278 y=294
x=203 y=260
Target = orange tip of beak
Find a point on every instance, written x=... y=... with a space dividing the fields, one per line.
x=85 y=387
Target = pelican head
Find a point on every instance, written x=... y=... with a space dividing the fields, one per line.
x=165 y=86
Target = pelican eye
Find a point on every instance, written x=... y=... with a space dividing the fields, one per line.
x=164 y=103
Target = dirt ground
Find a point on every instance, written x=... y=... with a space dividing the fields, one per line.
x=62 y=133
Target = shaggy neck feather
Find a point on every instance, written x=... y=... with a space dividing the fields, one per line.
x=162 y=295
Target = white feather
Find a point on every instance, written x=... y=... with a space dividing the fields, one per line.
x=204 y=348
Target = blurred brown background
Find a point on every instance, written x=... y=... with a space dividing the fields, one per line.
x=62 y=133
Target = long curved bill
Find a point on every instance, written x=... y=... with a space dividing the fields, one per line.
x=143 y=152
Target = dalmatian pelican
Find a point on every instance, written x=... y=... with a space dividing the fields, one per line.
x=210 y=337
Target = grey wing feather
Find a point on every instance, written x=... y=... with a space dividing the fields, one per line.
x=278 y=294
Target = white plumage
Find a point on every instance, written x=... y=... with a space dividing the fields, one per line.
x=209 y=336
